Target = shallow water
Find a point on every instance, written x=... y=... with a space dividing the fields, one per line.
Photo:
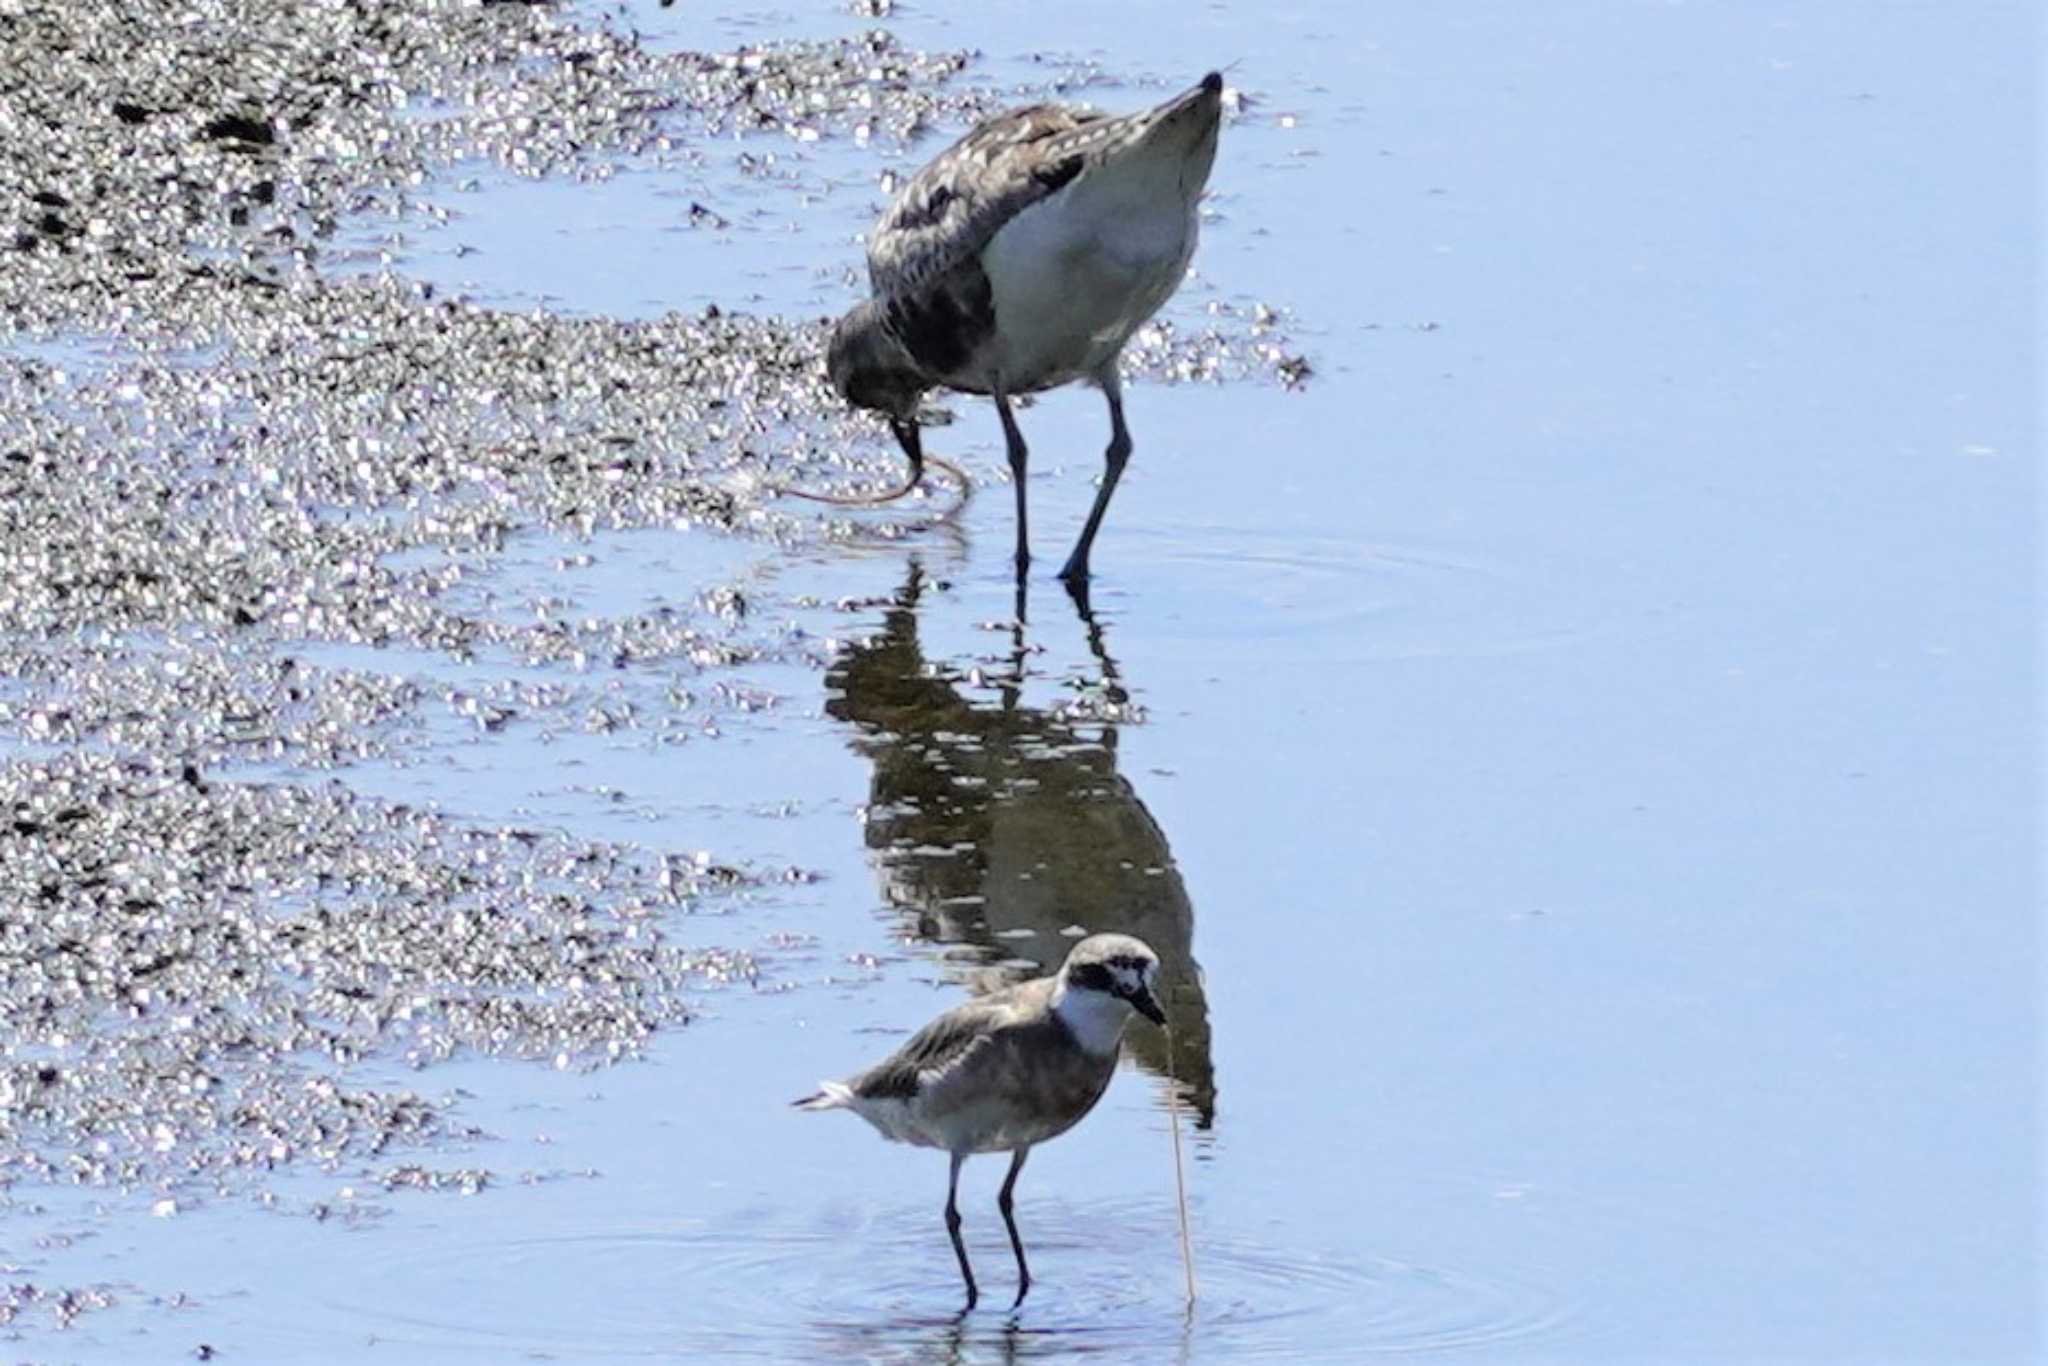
x=1587 y=739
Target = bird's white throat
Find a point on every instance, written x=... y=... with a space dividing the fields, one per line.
x=1096 y=1018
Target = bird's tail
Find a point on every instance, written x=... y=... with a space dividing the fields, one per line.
x=830 y=1095
x=1195 y=110
x=1180 y=134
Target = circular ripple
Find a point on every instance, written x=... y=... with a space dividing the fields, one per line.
x=880 y=1286
x=1371 y=600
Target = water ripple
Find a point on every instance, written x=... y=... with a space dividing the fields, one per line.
x=878 y=1286
x=1357 y=598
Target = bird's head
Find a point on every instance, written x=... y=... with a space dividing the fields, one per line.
x=870 y=369
x=1119 y=967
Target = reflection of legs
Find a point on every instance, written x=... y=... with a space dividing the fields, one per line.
x=1010 y=1222
x=1077 y=589
x=1014 y=440
x=1013 y=679
x=1114 y=459
x=953 y=1228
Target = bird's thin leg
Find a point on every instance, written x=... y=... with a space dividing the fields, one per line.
x=1019 y=454
x=1003 y=1203
x=953 y=1228
x=1114 y=459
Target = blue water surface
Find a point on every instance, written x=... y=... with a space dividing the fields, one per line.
x=1589 y=737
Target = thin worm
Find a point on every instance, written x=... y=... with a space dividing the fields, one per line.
x=1180 y=1181
x=869 y=500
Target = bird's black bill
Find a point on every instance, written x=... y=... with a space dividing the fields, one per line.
x=1146 y=1004
x=913 y=446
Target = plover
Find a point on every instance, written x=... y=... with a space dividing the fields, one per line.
x=1023 y=258
x=1007 y=1071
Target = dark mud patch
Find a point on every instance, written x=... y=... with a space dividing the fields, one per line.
x=198 y=964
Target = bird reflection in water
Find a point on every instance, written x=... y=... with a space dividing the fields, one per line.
x=1002 y=826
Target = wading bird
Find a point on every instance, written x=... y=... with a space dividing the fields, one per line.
x=1007 y=1071
x=1023 y=258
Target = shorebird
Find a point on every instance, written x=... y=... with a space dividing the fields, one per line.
x=1023 y=258
x=1007 y=1071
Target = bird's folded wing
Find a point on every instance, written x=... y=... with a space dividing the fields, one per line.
x=948 y=211
x=932 y=1051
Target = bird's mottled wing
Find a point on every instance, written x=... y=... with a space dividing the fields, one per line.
x=938 y=1047
x=948 y=211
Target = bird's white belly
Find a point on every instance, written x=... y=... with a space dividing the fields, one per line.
x=1074 y=276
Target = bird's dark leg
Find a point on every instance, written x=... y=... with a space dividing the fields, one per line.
x=1019 y=454
x=1114 y=460
x=1010 y=1221
x=953 y=1228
